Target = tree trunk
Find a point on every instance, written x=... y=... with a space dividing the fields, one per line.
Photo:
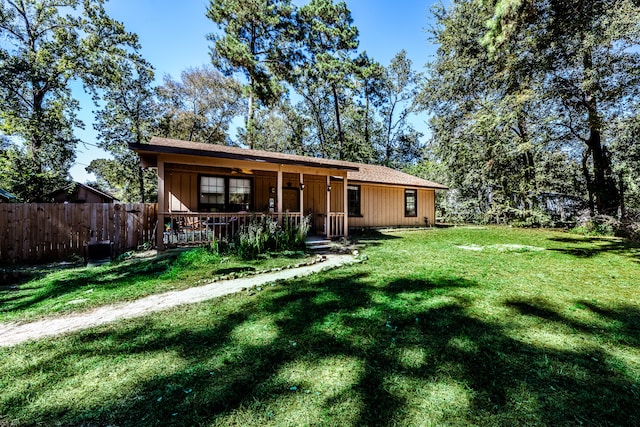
x=338 y=124
x=587 y=179
x=318 y=118
x=623 y=207
x=37 y=142
x=389 y=145
x=249 y=124
x=605 y=191
x=367 y=137
x=604 y=188
x=528 y=164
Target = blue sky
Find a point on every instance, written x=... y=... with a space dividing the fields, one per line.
x=173 y=38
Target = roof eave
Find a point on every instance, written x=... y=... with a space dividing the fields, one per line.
x=404 y=185
x=148 y=149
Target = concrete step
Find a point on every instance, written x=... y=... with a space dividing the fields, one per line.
x=318 y=245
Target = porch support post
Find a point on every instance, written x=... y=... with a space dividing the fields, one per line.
x=279 y=190
x=346 y=206
x=327 y=220
x=301 y=196
x=161 y=207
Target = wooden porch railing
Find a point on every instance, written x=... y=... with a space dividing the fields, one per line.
x=196 y=228
x=335 y=226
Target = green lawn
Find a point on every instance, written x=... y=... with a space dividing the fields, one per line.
x=459 y=326
x=59 y=290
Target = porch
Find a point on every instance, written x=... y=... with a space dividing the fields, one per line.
x=210 y=195
x=199 y=228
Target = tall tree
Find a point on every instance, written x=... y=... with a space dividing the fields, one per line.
x=330 y=40
x=250 y=42
x=200 y=106
x=371 y=76
x=46 y=45
x=625 y=149
x=481 y=119
x=281 y=129
x=398 y=101
x=129 y=115
x=587 y=55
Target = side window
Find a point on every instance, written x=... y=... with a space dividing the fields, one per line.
x=353 y=198
x=239 y=194
x=410 y=202
x=212 y=192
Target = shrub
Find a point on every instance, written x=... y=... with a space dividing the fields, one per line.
x=505 y=214
x=532 y=218
x=264 y=234
x=631 y=230
x=599 y=225
x=253 y=238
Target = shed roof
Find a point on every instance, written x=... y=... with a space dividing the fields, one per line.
x=358 y=172
x=75 y=185
x=5 y=195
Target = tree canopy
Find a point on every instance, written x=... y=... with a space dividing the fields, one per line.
x=249 y=42
x=199 y=107
x=46 y=46
x=129 y=115
x=523 y=96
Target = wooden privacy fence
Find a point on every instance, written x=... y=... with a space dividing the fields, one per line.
x=53 y=231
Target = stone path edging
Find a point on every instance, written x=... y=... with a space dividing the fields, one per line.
x=17 y=332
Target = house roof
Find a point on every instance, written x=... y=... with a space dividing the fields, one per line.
x=358 y=172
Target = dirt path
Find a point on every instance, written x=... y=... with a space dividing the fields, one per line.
x=17 y=332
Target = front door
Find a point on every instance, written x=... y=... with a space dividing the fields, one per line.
x=291 y=200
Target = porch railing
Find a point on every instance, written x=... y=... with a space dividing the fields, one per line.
x=196 y=228
x=335 y=225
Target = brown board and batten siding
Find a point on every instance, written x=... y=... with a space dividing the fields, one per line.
x=181 y=187
x=384 y=206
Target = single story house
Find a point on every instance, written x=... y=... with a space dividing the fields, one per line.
x=208 y=190
x=77 y=192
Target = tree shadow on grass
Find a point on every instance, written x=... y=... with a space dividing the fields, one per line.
x=623 y=322
x=370 y=237
x=588 y=247
x=341 y=349
x=38 y=290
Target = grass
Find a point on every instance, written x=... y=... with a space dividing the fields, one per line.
x=62 y=290
x=426 y=332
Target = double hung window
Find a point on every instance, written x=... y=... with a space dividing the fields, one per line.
x=221 y=194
